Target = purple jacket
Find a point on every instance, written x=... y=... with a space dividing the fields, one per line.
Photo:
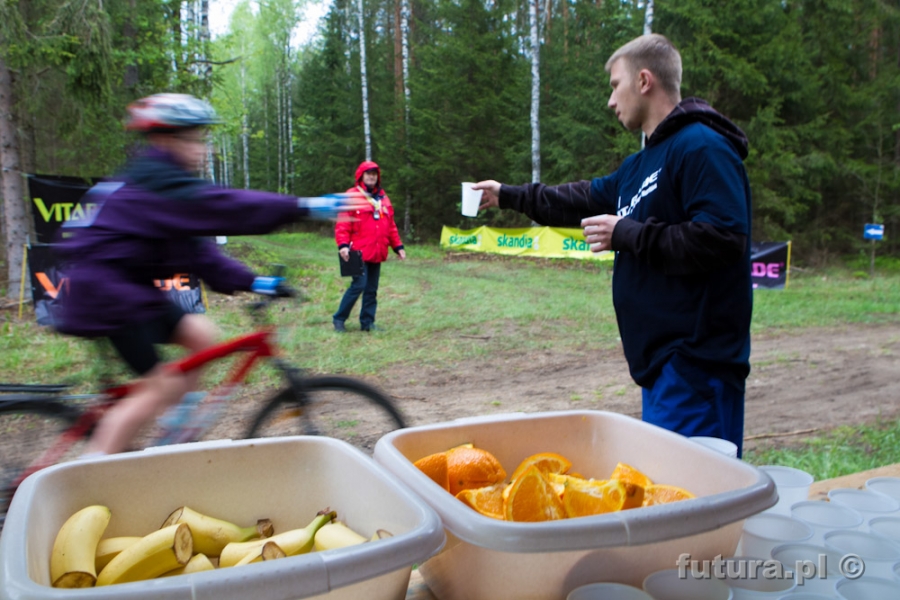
x=149 y=229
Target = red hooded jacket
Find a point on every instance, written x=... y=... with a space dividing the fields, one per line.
x=362 y=231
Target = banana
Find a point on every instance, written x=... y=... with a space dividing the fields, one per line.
x=269 y=551
x=380 y=535
x=336 y=535
x=211 y=534
x=198 y=563
x=110 y=547
x=72 y=557
x=295 y=541
x=154 y=554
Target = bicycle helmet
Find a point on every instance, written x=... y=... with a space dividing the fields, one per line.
x=169 y=112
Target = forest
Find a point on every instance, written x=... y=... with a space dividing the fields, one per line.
x=444 y=91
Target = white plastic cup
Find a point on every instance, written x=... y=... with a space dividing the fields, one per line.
x=823 y=517
x=792 y=485
x=874 y=588
x=471 y=199
x=816 y=568
x=869 y=504
x=886 y=527
x=746 y=576
x=897 y=571
x=807 y=596
x=765 y=531
x=719 y=445
x=877 y=554
x=669 y=585
x=889 y=486
x=608 y=591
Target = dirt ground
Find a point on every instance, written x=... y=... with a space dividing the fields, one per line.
x=801 y=384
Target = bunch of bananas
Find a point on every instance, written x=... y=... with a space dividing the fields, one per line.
x=187 y=542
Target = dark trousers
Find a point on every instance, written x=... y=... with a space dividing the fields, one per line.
x=690 y=401
x=367 y=285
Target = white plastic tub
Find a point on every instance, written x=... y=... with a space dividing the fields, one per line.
x=490 y=559
x=284 y=479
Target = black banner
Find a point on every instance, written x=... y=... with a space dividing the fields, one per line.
x=769 y=264
x=55 y=200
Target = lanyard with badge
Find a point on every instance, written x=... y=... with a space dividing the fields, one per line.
x=376 y=204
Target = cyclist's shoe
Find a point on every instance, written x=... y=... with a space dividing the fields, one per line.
x=339 y=326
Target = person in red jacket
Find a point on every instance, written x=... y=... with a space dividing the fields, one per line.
x=372 y=231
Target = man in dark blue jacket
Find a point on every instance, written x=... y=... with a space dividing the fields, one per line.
x=153 y=220
x=677 y=215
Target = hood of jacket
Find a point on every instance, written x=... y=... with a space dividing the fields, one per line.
x=368 y=165
x=695 y=110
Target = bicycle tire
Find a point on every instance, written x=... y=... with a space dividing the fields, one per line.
x=335 y=406
x=28 y=426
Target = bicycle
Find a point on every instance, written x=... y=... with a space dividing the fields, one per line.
x=330 y=405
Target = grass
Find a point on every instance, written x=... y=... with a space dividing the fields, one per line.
x=439 y=308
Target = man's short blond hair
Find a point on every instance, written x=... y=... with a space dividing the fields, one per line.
x=658 y=55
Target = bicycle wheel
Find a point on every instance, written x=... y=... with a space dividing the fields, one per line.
x=334 y=406
x=28 y=426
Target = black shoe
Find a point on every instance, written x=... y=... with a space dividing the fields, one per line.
x=339 y=326
x=372 y=327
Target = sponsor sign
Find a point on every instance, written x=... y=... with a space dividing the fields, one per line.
x=769 y=264
x=54 y=201
x=548 y=242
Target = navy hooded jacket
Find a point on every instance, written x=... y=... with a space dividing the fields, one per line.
x=681 y=280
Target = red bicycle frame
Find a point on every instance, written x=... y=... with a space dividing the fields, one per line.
x=258 y=344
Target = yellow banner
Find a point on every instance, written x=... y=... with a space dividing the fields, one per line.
x=549 y=242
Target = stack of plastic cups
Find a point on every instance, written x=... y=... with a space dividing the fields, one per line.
x=608 y=591
x=749 y=577
x=887 y=486
x=675 y=584
x=763 y=532
x=792 y=485
x=816 y=568
x=823 y=517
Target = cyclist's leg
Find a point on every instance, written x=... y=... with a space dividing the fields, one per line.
x=159 y=387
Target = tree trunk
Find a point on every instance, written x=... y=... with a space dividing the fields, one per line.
x=404 y=49
x=130 y=79
x=245 y=120
x=15 y=219
x=648 y=18
x=535 y=92
x=364 y=81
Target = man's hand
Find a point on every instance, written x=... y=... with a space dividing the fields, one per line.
x=345 y=253
x=598 y=231
x=490 y=193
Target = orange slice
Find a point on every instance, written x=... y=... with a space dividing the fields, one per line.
x=436 y=467
x=486 y=500
x=628 y=474
x=471 y=468
x=634 y=496
x=546 y=462
x=594 y=498
x=663 y=494
x=532 y=498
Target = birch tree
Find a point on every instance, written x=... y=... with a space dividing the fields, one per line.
x=535 y=91
x=364 y=81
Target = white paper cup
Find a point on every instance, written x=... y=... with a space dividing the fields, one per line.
x=875 y=588
x=889 y=486
x=471 y=199
x=886 y=527
x=719 y=445
x=878 y=555
x=608 y=591
x=869 y=504
x=823 y=517
x=669 y=585
x=765 y=531
x=816 y=568
x=792 y=485
x=747 y=578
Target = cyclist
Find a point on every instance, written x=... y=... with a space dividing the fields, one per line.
x=153 y=220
